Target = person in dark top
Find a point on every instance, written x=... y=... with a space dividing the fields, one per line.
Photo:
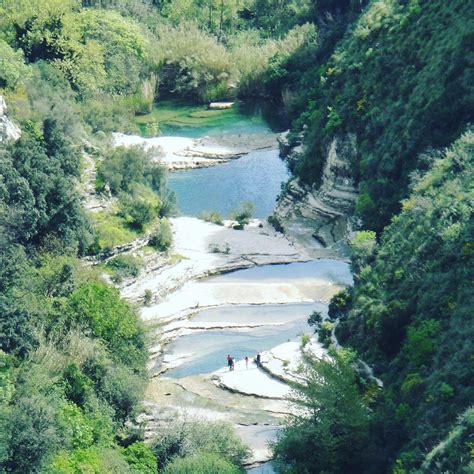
x=257 y=360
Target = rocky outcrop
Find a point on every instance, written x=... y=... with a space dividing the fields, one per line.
x=8 y=130
x=325 y=213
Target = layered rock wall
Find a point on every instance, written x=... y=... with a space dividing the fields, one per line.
x=324 y=214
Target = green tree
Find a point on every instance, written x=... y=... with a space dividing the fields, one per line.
x=99 y=307
x=201 y=463
x=162 y=238
x=140 y=458
x=13 y=70
x=331 y=432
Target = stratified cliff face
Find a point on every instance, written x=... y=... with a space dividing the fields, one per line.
x=325 y=213
x=8 y=130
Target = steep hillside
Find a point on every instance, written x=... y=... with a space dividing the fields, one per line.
x=400 y=80
x=411 y=312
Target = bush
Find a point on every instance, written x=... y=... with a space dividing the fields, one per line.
x=315 y=319
x=99 y=308
x=125 y=167
x=13 y=70
x=34 y=434
x=147 y=297
x=212 y=216
x=325 y=332
x=124 y=266
x=137 y=211
x=276 y=224
x=201 y=463
x=181 y=439
x=162 y=238
x=243 y=214
x=140 y=458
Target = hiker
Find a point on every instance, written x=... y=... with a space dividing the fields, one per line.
x=232 y=363
x=246 y=362
x=229 y=361
x=257 y=359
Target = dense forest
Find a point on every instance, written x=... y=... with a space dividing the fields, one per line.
x=397 y=74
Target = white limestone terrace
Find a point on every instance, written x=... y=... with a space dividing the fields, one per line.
x=206 y=249
x=181 y=152
x=280 y=366
x=253 y=399
x=251 y=381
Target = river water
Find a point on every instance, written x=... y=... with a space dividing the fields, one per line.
x=256 y=177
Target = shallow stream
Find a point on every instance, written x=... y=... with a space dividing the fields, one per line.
x=256 y=177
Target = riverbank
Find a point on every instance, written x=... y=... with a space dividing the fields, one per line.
x=179 y=153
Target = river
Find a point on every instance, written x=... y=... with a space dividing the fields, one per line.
x=261 y=309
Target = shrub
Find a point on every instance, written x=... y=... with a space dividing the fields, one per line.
x=201 y=463
x=184 y=438
x=162 y=238
x=147 y=297
x=124 y=266
x=13 y=70
x=325 y=332
x=212 y=216
x=305 y=340
x=125 y=167
x=315 y=319
x=99 y=308
x=244 y=213
x=140 y=458
x=136 y=210
x=276 y=224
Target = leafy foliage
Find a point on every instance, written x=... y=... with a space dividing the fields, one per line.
x=331 y=433
x=397 y=92
x=412 y=302
x=212 y=443
x=162 y=238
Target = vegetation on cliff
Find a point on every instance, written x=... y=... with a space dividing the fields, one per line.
x=395 y=73
x=400 y=79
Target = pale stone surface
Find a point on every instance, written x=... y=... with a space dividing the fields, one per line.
x=180 y=152
x=286 y=361
x=251 y=381
x=221 y=105
x=196 y=241
x=8 y=129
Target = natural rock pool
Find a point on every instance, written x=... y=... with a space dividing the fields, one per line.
x=204 y=352
x=256 y=177
x=223 y=328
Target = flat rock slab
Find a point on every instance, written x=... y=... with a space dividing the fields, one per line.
x=251 y=381
x=196 y=242
x=221 y=105
x=180 y=152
